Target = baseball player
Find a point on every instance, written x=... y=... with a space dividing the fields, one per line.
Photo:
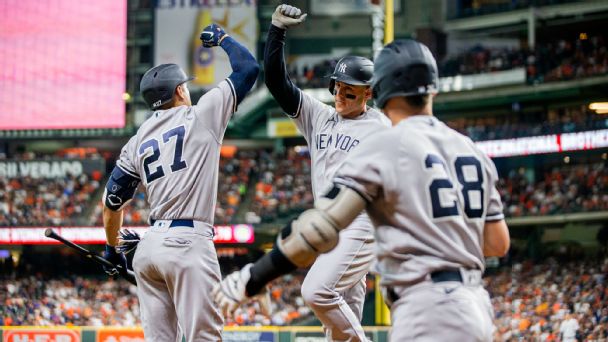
x=175 y=155
x=335 y=285
x=431 y=195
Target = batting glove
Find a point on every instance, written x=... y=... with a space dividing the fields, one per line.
x=286 y=16
x=127 y=241
x=213 y=35
x=231 y=292
x=115 y=258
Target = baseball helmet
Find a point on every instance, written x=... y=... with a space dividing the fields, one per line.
x=158 y=84
x=353 y=70
x=404 y=68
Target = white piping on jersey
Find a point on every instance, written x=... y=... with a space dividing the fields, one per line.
x=130 y=173
x=299 y=106
x=233 y=92
x=495 y=217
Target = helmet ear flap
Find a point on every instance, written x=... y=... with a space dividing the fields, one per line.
x=332 y=85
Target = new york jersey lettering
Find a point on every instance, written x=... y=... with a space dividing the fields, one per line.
x=340 y=142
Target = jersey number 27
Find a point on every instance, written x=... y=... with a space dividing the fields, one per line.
x=178 y=163
x=471 y=187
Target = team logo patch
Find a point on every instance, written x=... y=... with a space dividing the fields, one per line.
x=342 y=68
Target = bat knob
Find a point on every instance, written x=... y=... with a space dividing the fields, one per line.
x=48 y=232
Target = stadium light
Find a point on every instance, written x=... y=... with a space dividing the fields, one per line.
x=599 y=107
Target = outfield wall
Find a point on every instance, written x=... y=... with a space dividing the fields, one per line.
x=121 y=334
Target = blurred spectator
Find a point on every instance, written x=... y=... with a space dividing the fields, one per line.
x=561 y=190
x=532 y=302
x=233 y=184
x=550 y=61
x=31 y=201
x=516 y=125
x=82 y=301
x=551 y=301
x=283 y=187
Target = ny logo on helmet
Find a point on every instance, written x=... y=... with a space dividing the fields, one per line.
x=342 y=68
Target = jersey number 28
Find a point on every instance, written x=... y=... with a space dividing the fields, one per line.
x=178 y=163
x=471 y=187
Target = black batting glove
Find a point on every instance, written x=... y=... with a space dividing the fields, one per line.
x=115 y=258
x=127 y=241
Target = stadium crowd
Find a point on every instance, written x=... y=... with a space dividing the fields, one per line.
x=546 y=301
x=283 y=186
x=277 y=186
x=234 y=177
x=516 y=125
x=556 y=60
x=73 y=302
x=287 y=305
x=549 y=61
x=551 y=301
x=87 y=301
x=568 y=189
x=27 y=201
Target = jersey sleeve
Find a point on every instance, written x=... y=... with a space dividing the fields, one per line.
x=127 y=161
x=366 y=169
x=215 y=108
x=495 y=209
x=310 y=111
x=124 y=179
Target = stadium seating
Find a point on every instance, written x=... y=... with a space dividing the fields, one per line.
x=516 y=125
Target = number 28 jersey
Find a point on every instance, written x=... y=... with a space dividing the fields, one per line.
x=430 y=192
x=176 y=152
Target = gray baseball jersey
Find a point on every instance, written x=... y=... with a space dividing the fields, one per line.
x=176 y=152
x=335 y=285
x=331 y=138
x=420 y=178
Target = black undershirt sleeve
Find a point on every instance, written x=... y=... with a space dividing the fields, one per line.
x=275 y=73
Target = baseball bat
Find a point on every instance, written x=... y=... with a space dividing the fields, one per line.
x=127 y=274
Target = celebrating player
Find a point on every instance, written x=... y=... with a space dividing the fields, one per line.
x=432 y=197
x=335 y=285
x=175 y=155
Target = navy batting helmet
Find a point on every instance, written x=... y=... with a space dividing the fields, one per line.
x=158 y=84
x=404 y=68
x=353 y=70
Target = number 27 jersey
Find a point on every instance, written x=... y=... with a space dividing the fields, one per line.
x=431 y=190
x=176 y=152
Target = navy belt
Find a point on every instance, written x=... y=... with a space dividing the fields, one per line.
x=446 y=275
x=178 y=223
x=436 y=277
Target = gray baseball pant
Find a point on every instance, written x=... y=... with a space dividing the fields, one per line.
x=334 y=287
x=442 y=311
x=176 y=269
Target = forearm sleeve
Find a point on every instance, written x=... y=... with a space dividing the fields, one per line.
x=267 y=268
x=245 y=68
x=275 y=73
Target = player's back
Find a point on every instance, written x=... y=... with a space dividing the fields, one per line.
x=177 y=158
x=176 y=152
x=434 y=192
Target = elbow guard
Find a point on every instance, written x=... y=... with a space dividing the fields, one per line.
x=120 y=189
x=317 y=230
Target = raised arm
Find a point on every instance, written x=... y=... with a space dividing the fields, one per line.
x=245 y=68
x=275 y=72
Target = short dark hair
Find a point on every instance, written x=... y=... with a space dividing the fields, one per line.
x=418 y=101
x=171 y=103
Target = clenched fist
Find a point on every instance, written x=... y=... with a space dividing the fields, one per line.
x=286 y=16
x=212 y=35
